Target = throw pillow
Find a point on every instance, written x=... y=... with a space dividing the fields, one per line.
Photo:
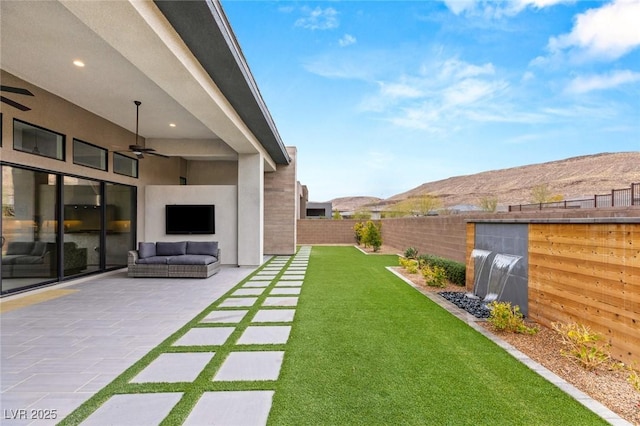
x=146 y=250
x=202 y=247
x=171 y=249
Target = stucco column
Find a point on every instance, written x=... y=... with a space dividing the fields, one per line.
x=250 y=209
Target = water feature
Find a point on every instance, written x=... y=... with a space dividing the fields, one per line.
x=488 y=286
x=479 y=258
x=500 y=271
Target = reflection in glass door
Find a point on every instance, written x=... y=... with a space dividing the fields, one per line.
x=120 y=223
x=81 y=246
x=29 y=255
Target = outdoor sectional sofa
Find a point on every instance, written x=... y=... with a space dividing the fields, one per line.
x=184 y=259
x=27 y=259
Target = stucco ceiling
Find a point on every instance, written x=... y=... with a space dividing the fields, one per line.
x=39 y=42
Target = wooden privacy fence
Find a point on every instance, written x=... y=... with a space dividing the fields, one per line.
x=588 y=273
x=617 y=198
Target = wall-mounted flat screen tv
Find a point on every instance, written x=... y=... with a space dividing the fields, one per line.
x=190 y=219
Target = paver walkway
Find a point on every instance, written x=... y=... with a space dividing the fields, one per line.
x=221 y=368
x=56 y=354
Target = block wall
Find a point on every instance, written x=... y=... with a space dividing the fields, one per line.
x=281 y=208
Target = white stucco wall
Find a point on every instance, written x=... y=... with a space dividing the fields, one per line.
x=225 y=199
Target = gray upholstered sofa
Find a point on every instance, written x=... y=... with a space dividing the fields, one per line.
x=26 y=259
x=184 y=259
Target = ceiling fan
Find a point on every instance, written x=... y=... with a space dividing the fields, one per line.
x=18 y=91
x=140 y=150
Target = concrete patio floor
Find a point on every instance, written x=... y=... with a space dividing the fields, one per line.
x=77 y=337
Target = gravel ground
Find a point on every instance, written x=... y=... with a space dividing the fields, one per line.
x=608 y=385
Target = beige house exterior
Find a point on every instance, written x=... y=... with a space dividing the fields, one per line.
x=67 y=132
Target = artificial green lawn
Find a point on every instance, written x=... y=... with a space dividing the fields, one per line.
x=366 y=348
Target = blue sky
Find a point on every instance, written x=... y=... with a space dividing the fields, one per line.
x=382 y=96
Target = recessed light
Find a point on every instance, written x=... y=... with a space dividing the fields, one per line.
x=78 y=63
x=172 y=124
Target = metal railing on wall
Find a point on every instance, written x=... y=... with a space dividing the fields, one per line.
x=617 y=198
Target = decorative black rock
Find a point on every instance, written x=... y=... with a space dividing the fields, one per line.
x=475 y=307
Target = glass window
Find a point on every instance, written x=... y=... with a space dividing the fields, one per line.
x=89 y=155
x=121 y=202
x=82 y=225
x=124 y=165
x=37 y=140
x=29 y=224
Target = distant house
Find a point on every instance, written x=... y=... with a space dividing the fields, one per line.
x=316 y=210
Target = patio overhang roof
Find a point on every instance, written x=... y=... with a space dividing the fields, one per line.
x=180 y=59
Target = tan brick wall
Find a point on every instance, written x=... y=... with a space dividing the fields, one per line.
x=326 y=231
x=280 y=208
x=443 y=236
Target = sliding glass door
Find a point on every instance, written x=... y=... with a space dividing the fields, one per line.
x=29 y=218
x=55 y=227
x=120 y=210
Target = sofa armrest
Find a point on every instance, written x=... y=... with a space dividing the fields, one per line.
x=132 y=257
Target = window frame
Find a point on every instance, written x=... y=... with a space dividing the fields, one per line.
x=63 y=141
x=135 y=160
x=104 y=151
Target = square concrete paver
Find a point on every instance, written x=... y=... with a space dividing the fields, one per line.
x=293 y=277
x=250 y=366
x=231 y=408
x=248 y=292
x=263 y=277
x=225 y=317
x=174 y=367
x=280 y=301
x=286 y=290
x=274 y=315
x=265 y=335
x=238 y=302
x=256 y=284
x=205 y=336
x=134 y=409
x=289 y=284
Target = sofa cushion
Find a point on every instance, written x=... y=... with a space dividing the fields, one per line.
x=171 y=249
x=29 y=260
x=39 y=248
x=202 y=247
x=20 y=247
x=154 y=260
x=192 y=259
x=146 y=250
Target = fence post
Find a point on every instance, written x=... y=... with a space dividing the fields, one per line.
x=613 y=194
x=633 y=196
x=595 y=201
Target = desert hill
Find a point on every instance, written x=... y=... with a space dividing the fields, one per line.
x=572 y=178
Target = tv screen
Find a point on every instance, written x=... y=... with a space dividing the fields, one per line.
x=190 y=219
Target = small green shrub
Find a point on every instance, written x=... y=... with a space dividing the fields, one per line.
x=434 y=276
x=634 y=378
x=373 y=235
x=358 y=229
x=504 y=317
x=411 y=253
x=410 y=265
x=454 y=271
x=583 y=345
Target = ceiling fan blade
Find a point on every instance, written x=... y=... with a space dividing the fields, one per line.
x=157 y=154
x=14 y=104
x=18 y=90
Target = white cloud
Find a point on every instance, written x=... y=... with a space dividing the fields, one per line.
x=470 y=91
x=318 y=19
x=399 y=90
x=460 y=6
x=492 y=9
x=584 y=84
x=347 y=40
x=608 y=32
x=456 y=69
